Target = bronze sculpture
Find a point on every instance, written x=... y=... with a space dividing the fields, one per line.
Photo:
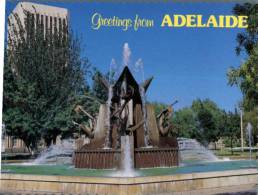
x=127 y=115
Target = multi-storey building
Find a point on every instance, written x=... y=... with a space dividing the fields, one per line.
x=48 y=16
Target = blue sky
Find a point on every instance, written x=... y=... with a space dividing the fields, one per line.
x=187 y=63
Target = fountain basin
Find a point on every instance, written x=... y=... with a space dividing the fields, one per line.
x=66 y=170
x=109 y=158
x=199 y=178
x=198 y=183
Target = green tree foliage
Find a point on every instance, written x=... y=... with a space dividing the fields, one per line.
x=158 y=107
x=210 y=118
x=19 y=109
x=203 y=121
x=98 y=90
x=231 y=131
x=186 y=124
x=247 y=39
x=246 y=75
x=45 y=74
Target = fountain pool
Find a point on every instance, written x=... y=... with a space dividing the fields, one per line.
x=66 y=170
x=201 y=178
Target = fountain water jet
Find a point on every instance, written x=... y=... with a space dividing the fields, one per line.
x=107 y=139
x=192 y=151
x=249 y=129
x=127 y=158
x=146 y=133
x=57 y=154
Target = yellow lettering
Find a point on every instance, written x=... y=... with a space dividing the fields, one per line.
x=242 y=21
x=166 y=21
x=212 y=21
x=190 y=21
x=179 y=20
x=231 y=21
x=199 y=21
x=221 y=21
x=95 y=20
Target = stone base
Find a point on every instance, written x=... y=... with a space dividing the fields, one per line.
x=195 y=183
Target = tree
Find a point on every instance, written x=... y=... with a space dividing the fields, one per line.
x=207 y=125
x=248 y=39
x=48 y=73
x=210 y=118
x=186 y=124
x=246 y=77
x=19 y=103
x=158 y=107
x=232 y=128
x=98 y=90
x=203 y=121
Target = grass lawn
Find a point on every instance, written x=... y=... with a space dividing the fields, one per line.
x=236 y=154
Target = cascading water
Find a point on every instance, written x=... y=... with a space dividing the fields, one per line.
x=192 y=151
x=138 y=68
x=126 y=166
x=110 y=95
x=126 y=54
x=57 y=154
x=127 y=161
x=113 y=71
x=146 y=132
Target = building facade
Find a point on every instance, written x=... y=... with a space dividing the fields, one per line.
x=48 y=16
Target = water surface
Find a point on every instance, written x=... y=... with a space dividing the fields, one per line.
x=66 y=170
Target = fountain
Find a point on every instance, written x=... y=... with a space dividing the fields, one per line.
x=127 y=159
x=130 y=152
x=249 y=129
x=191 y=151
x=56 y=154
x=128 y=115
x=146 y=132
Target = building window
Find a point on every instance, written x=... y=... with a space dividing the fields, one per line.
x=55 y=25
x=60 y=25
x=27 y=22
x=37 y=19
x=64 y=23
x=65 y=30
x=46 y=25
x=42 y=24
x=51 y=24
x=42 y=19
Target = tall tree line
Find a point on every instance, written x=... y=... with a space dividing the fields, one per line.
x=246 y=75
x=205 y=122
x=45 y=77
